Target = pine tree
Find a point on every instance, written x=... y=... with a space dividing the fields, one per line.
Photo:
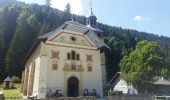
x=68 y=8
x=8 y=18
x=24 y=36
x=67 y=12
x=48 y=3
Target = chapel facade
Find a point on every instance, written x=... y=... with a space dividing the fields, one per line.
x=70 y=59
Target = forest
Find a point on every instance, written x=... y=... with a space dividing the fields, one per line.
x=21 y=24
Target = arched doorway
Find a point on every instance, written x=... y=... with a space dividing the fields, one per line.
x=73 y=87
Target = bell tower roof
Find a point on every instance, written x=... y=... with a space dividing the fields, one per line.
x=91 y=18
x=90 y=13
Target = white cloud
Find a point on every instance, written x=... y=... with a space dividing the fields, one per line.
x=76 y=5
x=142 y=18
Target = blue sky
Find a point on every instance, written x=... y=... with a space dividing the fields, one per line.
x=152 y=16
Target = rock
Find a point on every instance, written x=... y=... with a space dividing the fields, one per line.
x=2 y=96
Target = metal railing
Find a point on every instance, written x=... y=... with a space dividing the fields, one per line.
x=161 y=97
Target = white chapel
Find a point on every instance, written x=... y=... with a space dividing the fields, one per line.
x=70 y=59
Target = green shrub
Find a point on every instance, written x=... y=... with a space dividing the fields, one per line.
x=15 y=79
x=18 y=86
x=1 y=86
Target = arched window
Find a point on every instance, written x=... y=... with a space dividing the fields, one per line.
x=73 y=55
x=68 y=56
x=54 y=65
x=89 y=67
x=77 y=57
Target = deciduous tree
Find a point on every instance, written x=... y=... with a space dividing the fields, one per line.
x=142 y=64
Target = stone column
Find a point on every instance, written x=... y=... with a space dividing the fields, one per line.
x=42 y=77
x=81 y=84
x=65 y=83
x=31 y=79
x=22 y=81
x=26 y=80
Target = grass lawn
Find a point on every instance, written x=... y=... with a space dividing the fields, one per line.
x=12 y=93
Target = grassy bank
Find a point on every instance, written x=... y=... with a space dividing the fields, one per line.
x=12 y=93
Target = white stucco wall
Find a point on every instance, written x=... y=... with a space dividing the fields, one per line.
x=121 y=86
x=55 y=78
x=124 y=87
x=46 y=78
x=93 y=80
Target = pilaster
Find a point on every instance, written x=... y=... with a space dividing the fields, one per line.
x=31 y=79
x=26 y=80
x=81 y=84
x=103 y=67
x=42 y=77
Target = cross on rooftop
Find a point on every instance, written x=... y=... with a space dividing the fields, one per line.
x=90 y=4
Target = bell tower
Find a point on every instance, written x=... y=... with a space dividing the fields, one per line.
x=91 y=22
x=91 y=18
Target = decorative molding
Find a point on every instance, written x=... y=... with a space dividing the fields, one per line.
x=89 y=58
x=60 y=32
x=53 y=44
x=71 y=68
x=62 y=38
x=75 y=34
x=55 y=55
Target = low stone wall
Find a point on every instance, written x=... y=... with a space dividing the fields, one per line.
x=130 y=97
x=76 y=98
x=2 y=96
